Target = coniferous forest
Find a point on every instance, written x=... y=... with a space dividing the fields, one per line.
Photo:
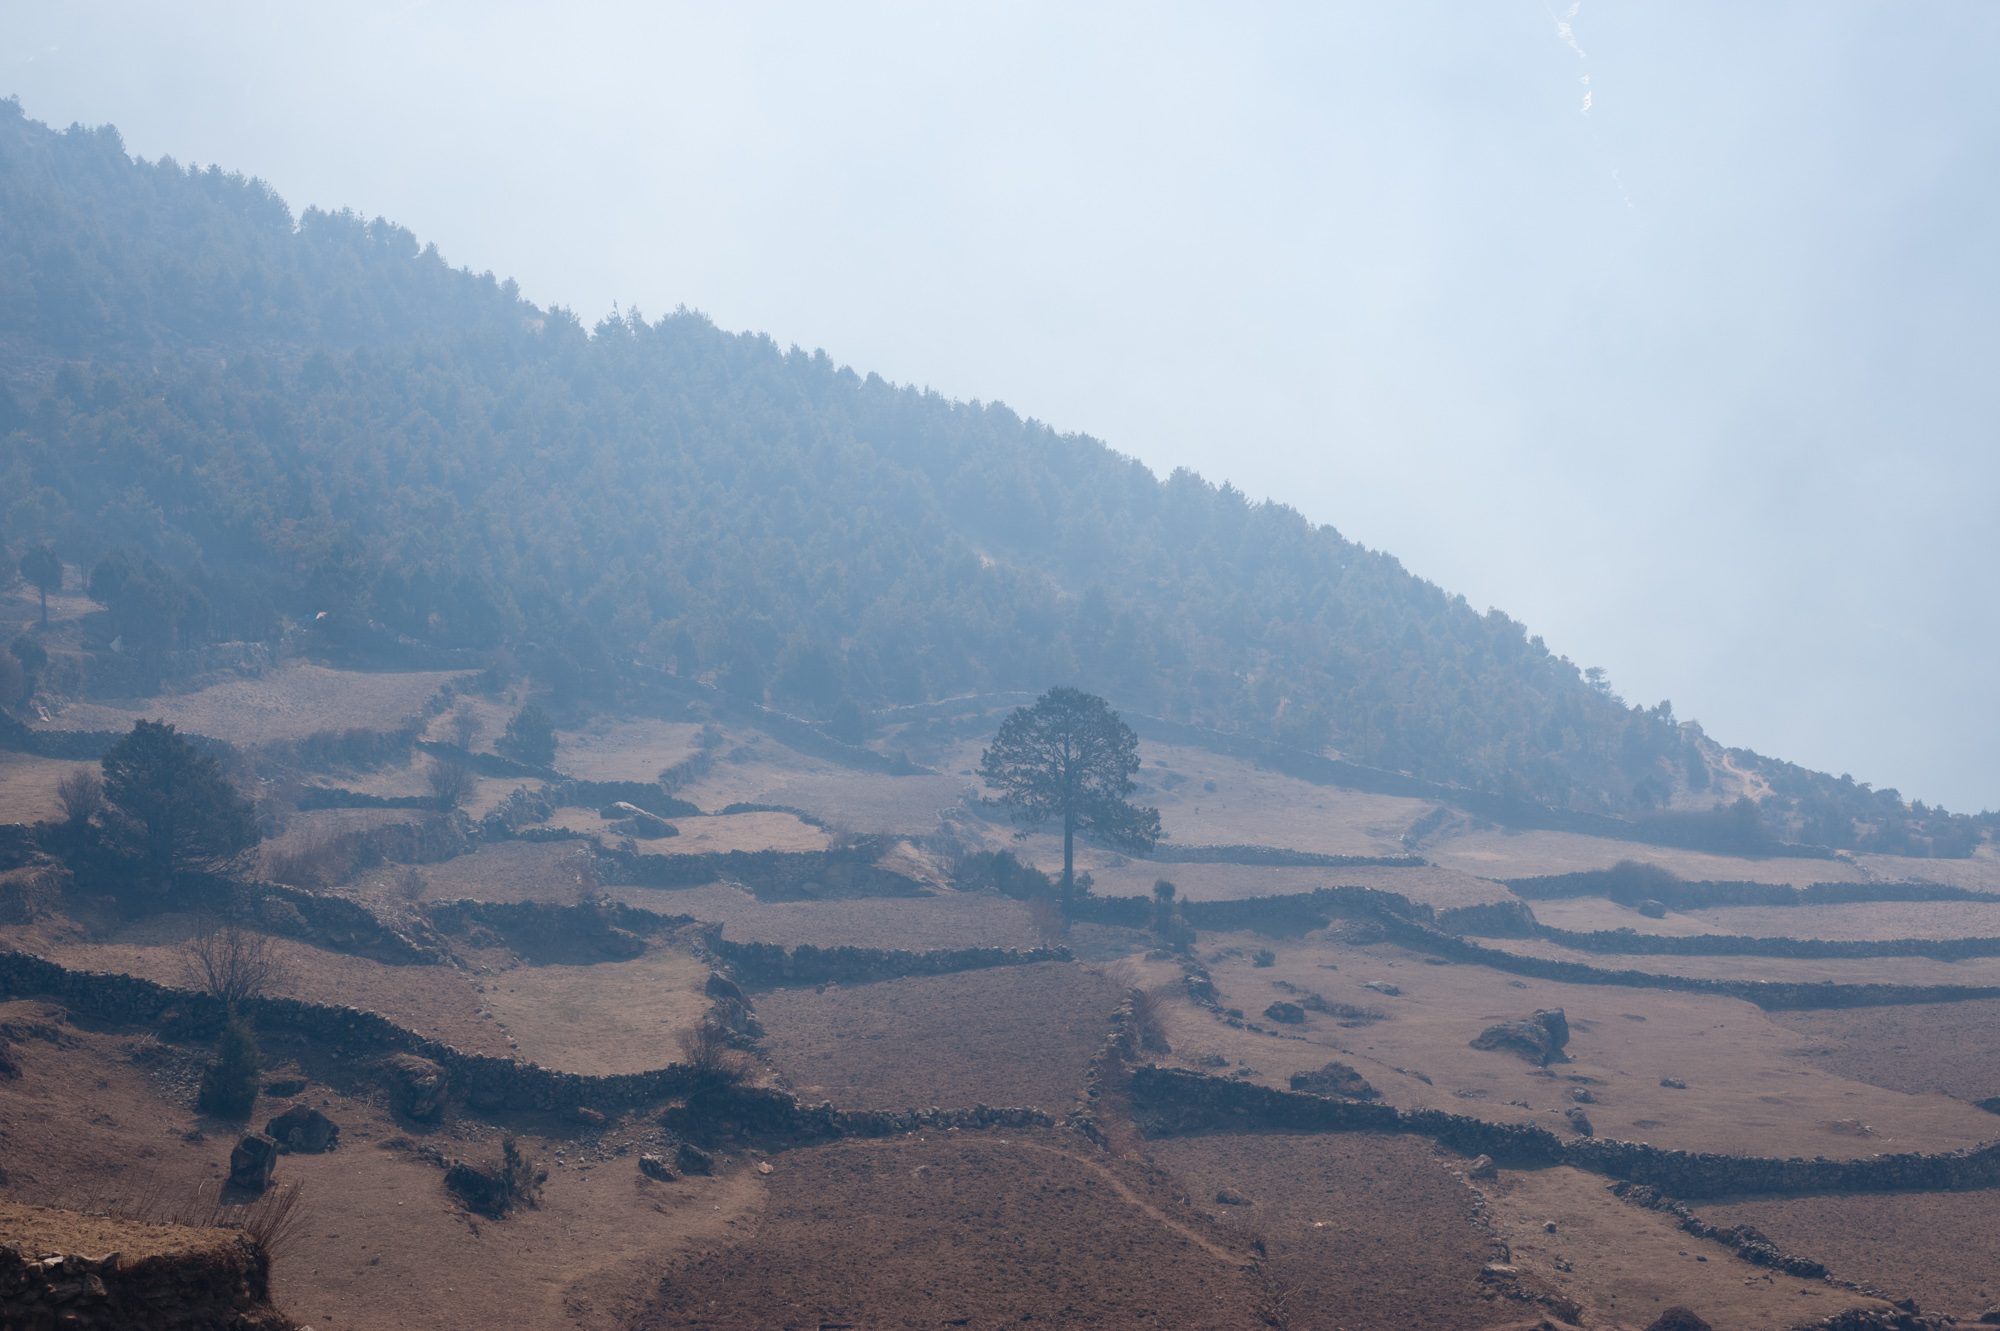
x=238 y=421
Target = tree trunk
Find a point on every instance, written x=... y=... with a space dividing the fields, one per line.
x=1069 y=862
x=45 y=605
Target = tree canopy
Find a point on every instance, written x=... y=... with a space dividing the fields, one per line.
x=176 y=810
x=1070 y=759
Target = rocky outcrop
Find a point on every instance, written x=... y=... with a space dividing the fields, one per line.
x=1539 y=1038
x=418 y=1085
x=1337 y=1080
x=251 y=1162
x=303 y=1130
x=1288 y=1014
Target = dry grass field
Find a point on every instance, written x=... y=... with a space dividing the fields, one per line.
x=28 y=786
x=1802 y=970
x=1013 y=1035
x=920 y=924
x=288 y=703
x=972 y=1231
x=1857 y=920
x=1922 y=1048
x=1748 y=1089
x=1364 y=1232
x=1941 y=1249
x=633 y=748
x=609 y=1016
x=710 y=835
x=1498 y=853
x=1117 y=877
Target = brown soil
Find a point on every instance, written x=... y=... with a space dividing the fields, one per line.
x=1624 y=1265
x=612 y=1016
x=1498 y=853
x=1946 y=1048
x=921 y=924
x=1014 y=1035
x=1363 y=1232
x=1942 y=1249
x=963 y=1230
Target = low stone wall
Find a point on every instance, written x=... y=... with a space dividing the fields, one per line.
x=1751 y=1244
x=1169 y=1101
x=776 y=1117
x=224 y=1286
x=1701 y=894
x=768 y=965
x=1634 y=943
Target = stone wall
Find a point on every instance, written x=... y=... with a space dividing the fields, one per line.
x=1632 y=887
x=1634 y=943
x=773 y=874
x=768 y=965
x=1169 y=1101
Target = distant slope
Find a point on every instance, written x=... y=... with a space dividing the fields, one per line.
x=244 y=423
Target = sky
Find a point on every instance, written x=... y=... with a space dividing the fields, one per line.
x=1670 y=330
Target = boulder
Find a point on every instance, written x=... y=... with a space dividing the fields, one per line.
x=692 y=1159
x=633 y=821
x=284 y=1088
x=481 y=1190
x=1678 y=1319
x=1382 y=987
x=251 y=1162
x=656 y=1167
x=303 y=1129
x=1673 y=1083
x=1654 y=910
x=1338 y=1080
x=1540 y=1037
x=1482 y=1167
x=1231 y=1197
x=1582 y=1095
x=721 y=986
x=1991 y=1104
x=1580 y=1121
x=1291 y=1014
x=419 y=1086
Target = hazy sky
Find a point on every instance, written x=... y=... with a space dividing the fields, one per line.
x=1674 y=332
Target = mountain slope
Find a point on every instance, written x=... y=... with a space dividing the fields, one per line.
x=247 y=423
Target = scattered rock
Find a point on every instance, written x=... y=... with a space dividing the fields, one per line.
x=1230 y=1197
x=305 y=1130
x=1338 y=1080
x=1540 y=1037
x=251 y=1162
x=1673 y=1083
x=1482 y=1167
x=1579 y=1121
x=1291 y=1014
x=1678 y=1319
x=656 y=1167
x=419 y=1086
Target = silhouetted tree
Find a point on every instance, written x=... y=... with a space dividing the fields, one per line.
x=229 y=1084
x=44 y=573
x=530 y=738
x=1070 y=757
x=179 y=812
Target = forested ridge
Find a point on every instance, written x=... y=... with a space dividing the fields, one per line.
x=240 y=420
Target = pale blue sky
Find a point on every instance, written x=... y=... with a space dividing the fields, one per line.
x=1699 y=382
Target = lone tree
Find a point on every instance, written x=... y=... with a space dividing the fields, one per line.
x=1070 y=757
x=44 y=573
x=530 y=738
x=178 y=810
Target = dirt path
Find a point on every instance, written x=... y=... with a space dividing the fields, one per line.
x=1139 y=1203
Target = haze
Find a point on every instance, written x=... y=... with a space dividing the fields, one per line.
x=1670 y=333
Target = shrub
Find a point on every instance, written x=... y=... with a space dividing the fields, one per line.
x=229 y=1084
x=530 y=738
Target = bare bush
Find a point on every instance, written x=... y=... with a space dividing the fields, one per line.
x=275 y=1220
x=1148 y=1031
x=708 y=1055
x=451 y=783
x=81 y=793
x=464 y=727
x=231 y=963
x=411 y=884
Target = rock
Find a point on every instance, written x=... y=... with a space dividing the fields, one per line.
x=1291 y=1014
x=1211 y=1061
x=1338 y=1080
x=1678 y=1319
x=284 y=1088
x=764 y=1167
x=588 y=1117
x=1673 y=1083
x=419 y=1086
x=1991 y=1317
x=721 y=986
x=1540 y=1037
x=1482 y=1167
x=1548 y=1226
x=633 y=821
x=656 y=1167
x=1230 y=1197
x=304 y=1129
x=1579 y=1121
x=481 y=1190
x=692 y=1159
x=251 y=1162
x=1582 y=1095
x=1382 y=987
x=1991 y=1104
x=1653 y=910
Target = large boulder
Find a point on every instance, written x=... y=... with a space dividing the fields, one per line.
x=303 y=1129
x=1338 y=1080
x=251 y=1162
x=419 y=1086
x=633 y=821
x=1678 y=1319
x=1291 y=1014
x=1540 y=1037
